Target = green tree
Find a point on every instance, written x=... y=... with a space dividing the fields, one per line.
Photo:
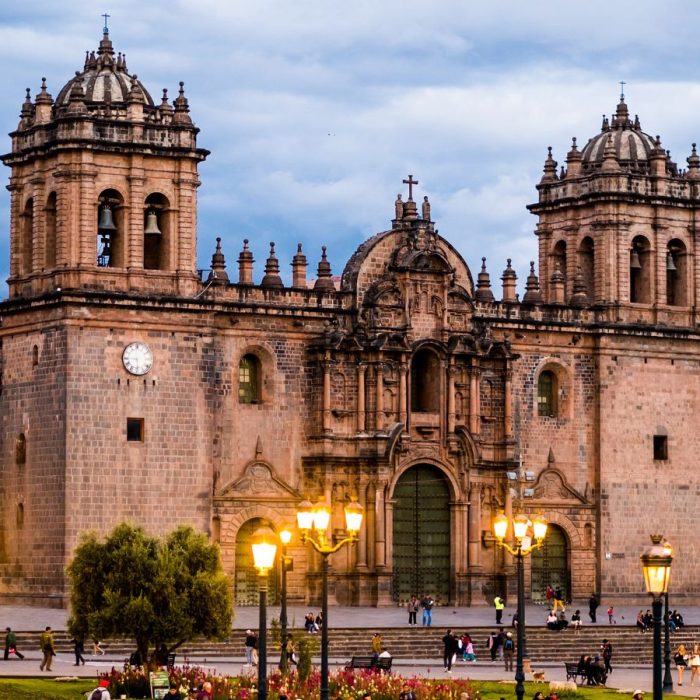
x=155 y=591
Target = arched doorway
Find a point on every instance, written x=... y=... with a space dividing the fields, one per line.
x=550 y=565
x=246 y=577
x=421 y=557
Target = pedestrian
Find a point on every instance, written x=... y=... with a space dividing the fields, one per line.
x=101 y=692
x=508 y=648
x=450 y=649
x=407 y=693
x=412 y=607
x=78 y=648
x=611 y=615
x=607 y=649
x=427 y=603
x=680 y=657
x=694 y=664
x=468 y=648
x=377 y=643
x=499 y=605
x=593 y=604
x=11 y=644
x=558 y=599
x=549 y=595
x=576 y=621
x=492 y=645
x=251 y=642
x=46 y=645
x=289 y=651
x=97 y=648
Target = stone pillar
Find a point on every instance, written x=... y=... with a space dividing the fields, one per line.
x=379 y=414
x=403 y=415
x=361 y=371
x=474 y=402
x=508 y=400
x=326 y=364
x=84 y=218
x=451 y=373
x=379 y=528
x=362 y=535
x=389 y=534
x=39 y=233
x=134 y=222
x=474 y=527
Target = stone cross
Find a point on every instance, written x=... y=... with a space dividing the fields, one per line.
x=410 y=182
x=106 y=28
x=622 y=89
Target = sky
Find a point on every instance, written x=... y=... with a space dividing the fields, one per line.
x=315 y=110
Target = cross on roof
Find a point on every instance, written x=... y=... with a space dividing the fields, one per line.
x=106 y=28
x=622 y=89
x=410 y=182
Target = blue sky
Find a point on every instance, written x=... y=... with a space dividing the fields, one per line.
x=316 y=110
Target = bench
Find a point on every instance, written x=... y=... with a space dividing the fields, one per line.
x=382 y=663
x=572 y=672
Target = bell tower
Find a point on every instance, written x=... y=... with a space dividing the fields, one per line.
x=103 y=186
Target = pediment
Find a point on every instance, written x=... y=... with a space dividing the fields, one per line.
x=551 y=485
x=259 y=480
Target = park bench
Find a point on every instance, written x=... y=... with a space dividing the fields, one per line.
x=572 y=672
x=372 y=662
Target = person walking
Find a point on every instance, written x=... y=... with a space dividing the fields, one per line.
x=558 y=599
x=593 y=604
x=549 y=595
x=680 y=657
x=607 y=649
x=78 y=648
x=46 y=645
x=450 y=650
x=427 y=604
x=412 y=607
x=11 y=644
x=251 y=641
x=694 y=664
x=508 y=648
x=377 y=643
x=493 y=645
x=499 y=605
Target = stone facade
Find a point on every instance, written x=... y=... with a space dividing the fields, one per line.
x=576 y=402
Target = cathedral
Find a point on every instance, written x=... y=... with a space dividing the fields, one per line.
x=135 y=387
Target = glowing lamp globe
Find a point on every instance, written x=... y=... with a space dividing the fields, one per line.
x=264 y=550
x=656 y=565
x=305 y=516
x=353 y=517
x=500 y=526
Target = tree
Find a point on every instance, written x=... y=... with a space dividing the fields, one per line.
x=155 y=591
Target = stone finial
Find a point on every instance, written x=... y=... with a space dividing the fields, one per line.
x=26 y=114
x=398 y=208
x=550 y=168
x=425 y=209
x=324 y=280
x=483 y=285
x=622 y=115
x=272 y=270
x=92 y=61
x=573 y=160
x=533 y=294
x=509 y=279
x=218 y=275
x=299 y=267
x=43 y=104
x=182 y=107
x=637 y=125
x=579 y=298
x=44 y=98
x=610 y=162
x=557 y=285
x=105 y=50
x=658 y=158
x=245 y=265
x=120 y=62
x=693 y=161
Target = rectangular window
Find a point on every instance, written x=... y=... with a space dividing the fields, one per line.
x=660 y=447
x=134 y=429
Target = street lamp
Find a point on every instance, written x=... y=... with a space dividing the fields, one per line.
x=317 y=518
x=264 y=550
x=656 y=565
x=523 y=547
x=285 y=539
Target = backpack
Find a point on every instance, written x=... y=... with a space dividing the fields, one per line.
x=508 y=644
x=96 y=694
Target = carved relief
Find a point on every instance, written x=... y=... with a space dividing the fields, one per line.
x=552 y=486
x=258 y=480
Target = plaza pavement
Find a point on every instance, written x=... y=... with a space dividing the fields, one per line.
x=624 y=678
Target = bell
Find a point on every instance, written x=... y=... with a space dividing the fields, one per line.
x=106 y=224
x=670 y=265
x=152 y=224
x=634 y=260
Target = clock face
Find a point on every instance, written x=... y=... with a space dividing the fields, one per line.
x=137 y=358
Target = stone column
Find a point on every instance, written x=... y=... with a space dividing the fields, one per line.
x=474 y=527
x=361 y=370
x=389 y=533
x=451 y=373
x=134 y=222
x=379 y=528
x=362 y=535
x=326 y=364
x=474 y=403
x=508 y=400
x=403 y=415
x=39 y=232
x=379 y=415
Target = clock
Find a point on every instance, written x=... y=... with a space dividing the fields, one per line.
x=137 y=358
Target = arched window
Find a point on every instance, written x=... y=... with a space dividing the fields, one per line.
x=27 y=239
x=425 y=382
x=559 y=258
x=547 y=394
x=35 y=355
x=640 y=271
x=19 y=516
x=156 y=232
x=676 y=273
x=20 y=450
x=249 y=378
x=50 y=248
x=110 y=230
x=586 y=261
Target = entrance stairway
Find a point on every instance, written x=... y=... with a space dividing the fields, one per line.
x=630 y=647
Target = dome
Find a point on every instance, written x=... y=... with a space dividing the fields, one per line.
x=632 y=146
x=103 y=80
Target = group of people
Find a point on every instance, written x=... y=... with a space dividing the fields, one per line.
x=312 y=624
x=645 y=621
x=688 y=659
x=426 y=603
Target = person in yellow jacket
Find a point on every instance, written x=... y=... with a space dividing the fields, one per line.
x=499 y=605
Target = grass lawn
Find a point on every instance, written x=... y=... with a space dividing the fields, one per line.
x=490 y=690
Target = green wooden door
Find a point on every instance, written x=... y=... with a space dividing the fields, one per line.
x=421 y=557
x=246 y=577
x=550 y=566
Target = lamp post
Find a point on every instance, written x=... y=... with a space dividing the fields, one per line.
x=285 y=539
x=656 y=565
x=523 y=547
x=668 y=678
x=264 y=550
x=317 y=518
